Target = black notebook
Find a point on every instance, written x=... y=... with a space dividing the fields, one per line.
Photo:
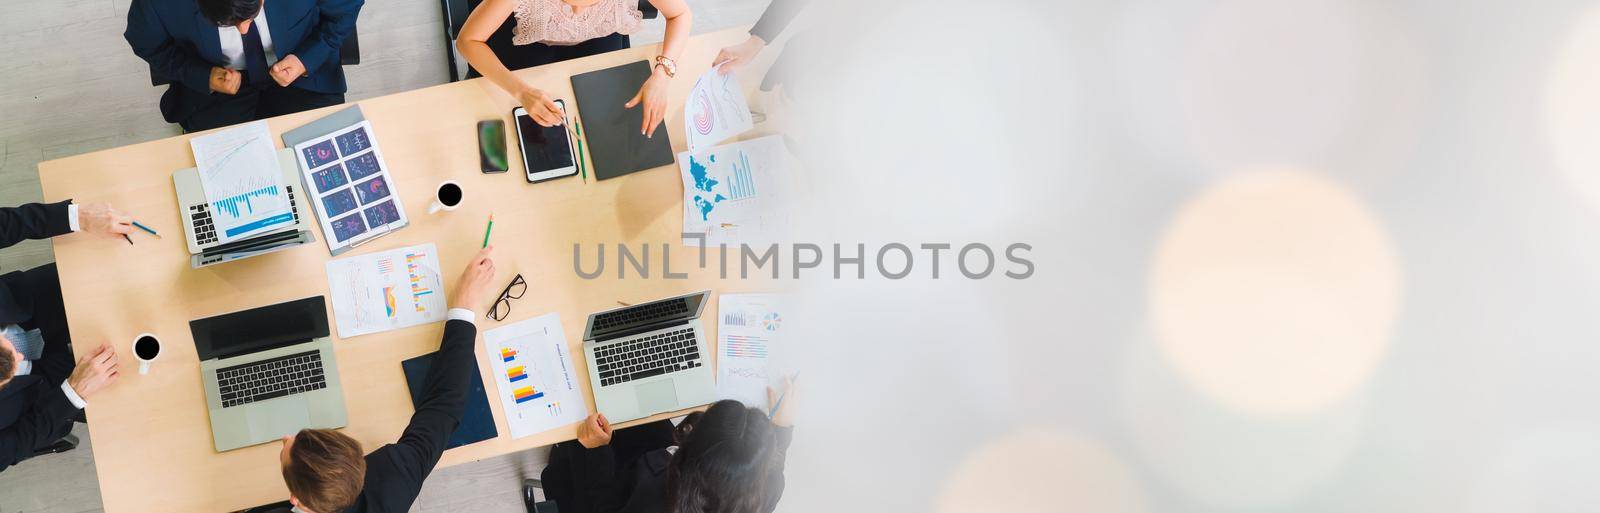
x=477 y=423
x=615 y=145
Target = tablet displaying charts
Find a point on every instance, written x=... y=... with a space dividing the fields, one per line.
x=355 y=194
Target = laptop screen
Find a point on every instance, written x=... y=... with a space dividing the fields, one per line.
x=260 y=329
x=644 y=315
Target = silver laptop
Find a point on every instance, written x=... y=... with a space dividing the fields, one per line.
x=205 y=248
x=649 y=358
x=268 y=372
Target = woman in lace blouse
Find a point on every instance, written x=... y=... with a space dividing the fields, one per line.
x=548 y=31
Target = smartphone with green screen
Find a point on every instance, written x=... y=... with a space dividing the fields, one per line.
x=492 y=146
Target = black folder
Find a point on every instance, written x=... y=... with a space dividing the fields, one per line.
x=615 y=145
x=477 y=423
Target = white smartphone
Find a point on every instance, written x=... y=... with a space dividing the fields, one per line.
x=546 y=151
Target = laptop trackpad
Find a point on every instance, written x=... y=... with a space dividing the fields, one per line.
x=279 y=419
x=657 y=397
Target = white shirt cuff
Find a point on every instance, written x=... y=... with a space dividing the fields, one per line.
x=72 y=396
x=462 y=314
x=72 y=217
x=24 y=368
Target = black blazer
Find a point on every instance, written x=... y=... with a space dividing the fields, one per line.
x=31 y=221
x=640 y=486
x=183 y=46
x=395 y=471
x=34 y=413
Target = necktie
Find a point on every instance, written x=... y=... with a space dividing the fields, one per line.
x=255 y=57
x=30 y=343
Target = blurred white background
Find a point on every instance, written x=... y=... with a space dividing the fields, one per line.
x=1292 y=255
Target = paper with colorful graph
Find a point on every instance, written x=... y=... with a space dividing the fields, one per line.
x=387 y=290
x=533 y=375
x=749 y=330
x=715 y=110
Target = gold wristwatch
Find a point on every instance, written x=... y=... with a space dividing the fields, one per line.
x=667 y=64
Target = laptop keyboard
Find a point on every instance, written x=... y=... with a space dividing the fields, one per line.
x=641 y=313
x=269 y=379
x=205 y=232
x=647 y=356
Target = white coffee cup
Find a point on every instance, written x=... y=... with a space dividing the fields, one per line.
x=447 y=196
x=146 y=348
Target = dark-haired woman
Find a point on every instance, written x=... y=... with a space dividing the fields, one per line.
x=727 y=459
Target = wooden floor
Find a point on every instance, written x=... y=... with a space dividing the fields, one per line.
x=76 y=87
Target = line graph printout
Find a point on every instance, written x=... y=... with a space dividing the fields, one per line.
x=749 y=327
x=716 y=110
x=533 y=374
x=386 y=290
x=242 y=181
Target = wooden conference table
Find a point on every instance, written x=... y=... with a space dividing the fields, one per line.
x=152 y=439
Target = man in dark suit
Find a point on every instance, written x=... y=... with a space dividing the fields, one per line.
x=232 y=61
x=40 y=390
x=324 y=469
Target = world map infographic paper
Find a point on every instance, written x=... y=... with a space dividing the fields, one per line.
x=735 y=193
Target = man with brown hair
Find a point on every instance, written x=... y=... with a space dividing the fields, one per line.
x=325 y=470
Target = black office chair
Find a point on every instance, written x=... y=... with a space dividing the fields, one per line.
x=532 y=503
x=66 y=443
x=349 y=55
x=455 y=15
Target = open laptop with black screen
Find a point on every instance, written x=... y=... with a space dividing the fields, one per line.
x=268 y=372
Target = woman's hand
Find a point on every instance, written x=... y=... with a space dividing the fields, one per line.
x=595 y=431
x=784 y=417
x=540 y=107
x=654 y=95
x=738 y=55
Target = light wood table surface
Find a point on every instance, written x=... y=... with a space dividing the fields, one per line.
x=152 y=440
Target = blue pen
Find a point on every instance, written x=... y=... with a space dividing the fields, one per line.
x=146 y=229
x=779 y=402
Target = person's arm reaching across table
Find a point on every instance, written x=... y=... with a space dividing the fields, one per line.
x=444 y=391
x=324 y=469
x=42 y=221
x=773 y=20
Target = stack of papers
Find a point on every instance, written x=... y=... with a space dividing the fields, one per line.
x=242 y=181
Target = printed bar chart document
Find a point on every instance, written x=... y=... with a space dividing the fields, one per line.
x=240 y=174
x=389 y=290
x=716 y=110
x=748 y=326
x=533 y=374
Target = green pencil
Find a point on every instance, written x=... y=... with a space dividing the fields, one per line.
x=582 y=168
x=486 y=231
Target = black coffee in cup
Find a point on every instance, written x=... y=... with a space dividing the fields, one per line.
x=450 y=194
x=147 y=347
